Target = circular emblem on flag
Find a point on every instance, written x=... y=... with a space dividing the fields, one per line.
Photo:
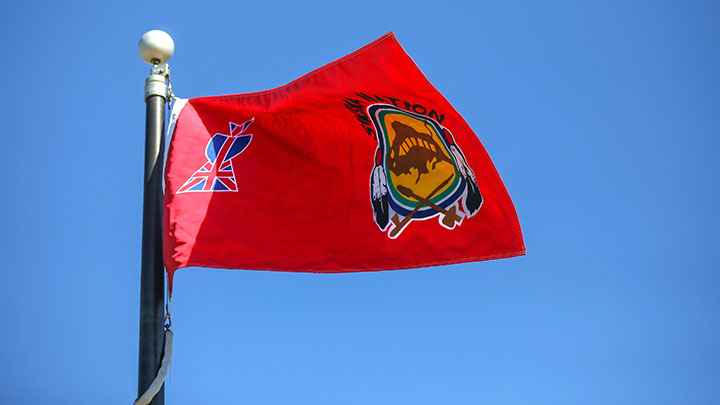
x=419 y=172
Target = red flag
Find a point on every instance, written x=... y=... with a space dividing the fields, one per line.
x=360 y=165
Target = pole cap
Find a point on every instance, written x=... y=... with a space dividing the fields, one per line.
x=156 y=47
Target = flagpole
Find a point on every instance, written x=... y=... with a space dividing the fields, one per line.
x=155 y=47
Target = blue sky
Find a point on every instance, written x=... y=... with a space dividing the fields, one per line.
x=601 y=117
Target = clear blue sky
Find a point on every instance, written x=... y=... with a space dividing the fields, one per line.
x=603 y=119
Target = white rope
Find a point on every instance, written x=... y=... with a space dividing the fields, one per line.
x=162 y=373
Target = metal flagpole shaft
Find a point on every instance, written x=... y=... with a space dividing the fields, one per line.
x=155 y=47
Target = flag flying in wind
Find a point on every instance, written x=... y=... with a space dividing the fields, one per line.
x=360 y=165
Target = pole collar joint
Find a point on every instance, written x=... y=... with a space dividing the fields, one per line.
x=156 y=83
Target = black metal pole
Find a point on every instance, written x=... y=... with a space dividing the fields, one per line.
x=152 y=280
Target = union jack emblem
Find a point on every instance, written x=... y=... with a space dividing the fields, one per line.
x=218 y=173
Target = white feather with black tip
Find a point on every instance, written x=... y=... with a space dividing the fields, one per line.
x=379 y=196
x=473 y=198
x=379 y=183
x=462 y=165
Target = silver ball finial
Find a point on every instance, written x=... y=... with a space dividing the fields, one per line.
x=156 y=47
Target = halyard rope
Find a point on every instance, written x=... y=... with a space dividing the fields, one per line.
x=157 y=383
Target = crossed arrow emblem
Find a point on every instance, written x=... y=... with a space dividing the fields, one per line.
x=450 y=217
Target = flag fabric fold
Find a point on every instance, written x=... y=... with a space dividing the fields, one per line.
x=360 y=165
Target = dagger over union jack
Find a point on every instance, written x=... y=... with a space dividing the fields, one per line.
x=217 y=174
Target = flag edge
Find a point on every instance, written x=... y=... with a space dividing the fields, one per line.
x=311 y=73
x=516 y=253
